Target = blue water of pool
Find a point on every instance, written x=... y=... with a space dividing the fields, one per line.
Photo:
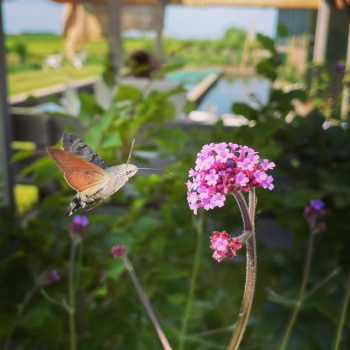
x=228 y=90
x=188 y=78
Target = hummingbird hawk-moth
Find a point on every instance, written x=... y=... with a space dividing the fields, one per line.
x=87 y=173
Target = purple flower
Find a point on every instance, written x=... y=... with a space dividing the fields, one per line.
x=316 y=204
x=53 y=276
x=79 y=224
x=314 y=209
x=222 y=169
x=118 y=251
x=340 y=68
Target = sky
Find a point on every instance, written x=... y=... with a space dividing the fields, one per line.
x=180 y=21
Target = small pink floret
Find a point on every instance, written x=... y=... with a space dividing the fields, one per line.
x=224 y=245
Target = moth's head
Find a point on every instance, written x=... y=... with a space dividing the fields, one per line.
x=130 y=170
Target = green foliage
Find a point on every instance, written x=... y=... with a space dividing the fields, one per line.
x=151 y=216
x=312 y=154
x=282 y=30
x=22 y=51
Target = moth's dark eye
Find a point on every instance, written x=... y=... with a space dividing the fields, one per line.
x=128 y=172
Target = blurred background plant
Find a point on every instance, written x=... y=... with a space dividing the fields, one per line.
x=150 y=215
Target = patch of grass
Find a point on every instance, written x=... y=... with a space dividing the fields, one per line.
x=31 y=76
x=28 y=81
x=26 y=73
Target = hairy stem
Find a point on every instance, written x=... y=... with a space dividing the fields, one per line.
x=71 y=297
x=146 y=303
x=193 y=282
x=248 y=215
x=295 y=312
x=342 y=317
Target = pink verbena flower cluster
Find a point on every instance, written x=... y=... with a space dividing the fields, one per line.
x=222 y=169
x=224 y=245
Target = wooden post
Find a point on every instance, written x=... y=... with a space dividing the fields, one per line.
x=344 y=111
x=6 y=180
x=115 y=8
x=160 y=12
x=321 y=34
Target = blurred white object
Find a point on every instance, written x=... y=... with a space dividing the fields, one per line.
x=203 y=117
x=79 y=59
x=53 y=61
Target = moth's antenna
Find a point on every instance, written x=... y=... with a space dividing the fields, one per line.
x=162 y=171
x=131 y=148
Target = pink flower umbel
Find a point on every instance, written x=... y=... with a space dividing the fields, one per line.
x=222 y=169
x=224 y=245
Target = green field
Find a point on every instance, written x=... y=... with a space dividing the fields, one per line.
x=27 y=52
x=26 y=73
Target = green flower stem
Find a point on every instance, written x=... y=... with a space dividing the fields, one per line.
x=248 y=216
x=146 y=303
x=79 y=265
x=193 y=282
x=322 y=283
x=71 y=296
x=342 y=318
x=306 y=273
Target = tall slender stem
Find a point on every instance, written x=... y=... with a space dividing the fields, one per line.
x=342 y=317
x=249 y=289
x=71 y=297
x=147 y=305
x=306 y=273
x=193 y=283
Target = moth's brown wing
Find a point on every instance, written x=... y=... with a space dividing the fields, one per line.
x=86 y=181
x=80 y=174
x=77 y=146
x=68 y=161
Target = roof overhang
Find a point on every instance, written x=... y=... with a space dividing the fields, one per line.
x=282 y=4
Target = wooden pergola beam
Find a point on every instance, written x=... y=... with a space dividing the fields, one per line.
x=321 y=34
x=281 y=4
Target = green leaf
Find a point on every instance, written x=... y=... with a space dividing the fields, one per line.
x=93 y=136
x=245 y=110
x=20 y=155
x=36 y=316
x=108 y=77
x=128 y=93
x=112 y=140
x=267 y=68
x=282 y=30
x=266 y=42
x=109 y=116
x=116 y=269
x=44 y=170
x=177 y=298
x=89 y=105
